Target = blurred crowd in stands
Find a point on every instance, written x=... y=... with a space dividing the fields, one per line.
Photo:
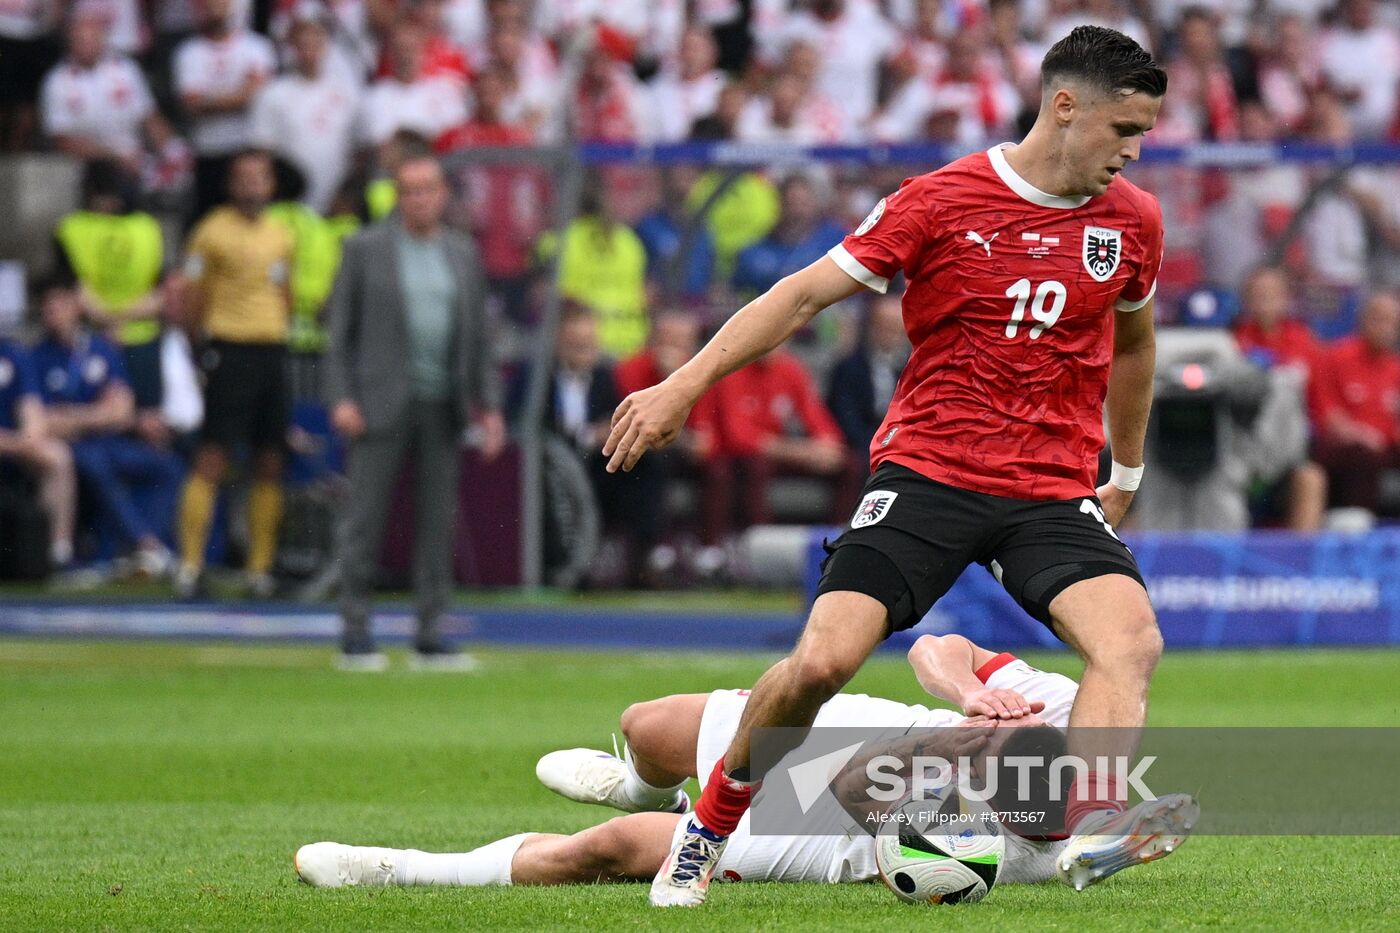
x=157 y=99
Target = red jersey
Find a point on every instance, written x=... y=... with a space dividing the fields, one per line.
x=1289 y=344
x=640 y=371
x=1359 y=382
x=1009 y=306
x=771 y=397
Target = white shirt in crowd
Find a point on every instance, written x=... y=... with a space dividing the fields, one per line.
x=654 y=25
x=908 y=113
x=851 y=48
x=430 y=108
x=676 y=104
x=1368 y=62
x=311 y=123
x=818 y=121
x=224 y=66
x=106 y=103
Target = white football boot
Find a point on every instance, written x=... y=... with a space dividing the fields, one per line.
x=592 y=776
x=684 y=878
x=333 y=865
x=1109 y=842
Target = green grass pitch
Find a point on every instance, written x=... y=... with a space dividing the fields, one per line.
x=165 y=787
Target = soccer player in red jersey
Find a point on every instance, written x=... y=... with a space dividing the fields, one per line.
x=1031 y=270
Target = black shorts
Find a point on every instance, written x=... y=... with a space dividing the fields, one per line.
x=912 y=537
x=143 y=373
x=246 y=396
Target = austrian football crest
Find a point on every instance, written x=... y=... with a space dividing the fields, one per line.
x=875 y=506
x=1103 y=248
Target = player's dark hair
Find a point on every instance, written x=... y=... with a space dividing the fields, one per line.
x=1046 y=743
x=1105 y=59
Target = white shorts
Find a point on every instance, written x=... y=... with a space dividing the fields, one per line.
x=833 y=859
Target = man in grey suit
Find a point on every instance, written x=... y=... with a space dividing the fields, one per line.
x=407 y=367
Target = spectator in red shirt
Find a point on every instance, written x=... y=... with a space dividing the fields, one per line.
x=441 y=58
x=1267 y=333
x=1268 y=336
x=1356 y=405
x=771 y=421
x=673 y=339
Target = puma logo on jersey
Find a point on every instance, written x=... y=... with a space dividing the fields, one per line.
x=976 y=237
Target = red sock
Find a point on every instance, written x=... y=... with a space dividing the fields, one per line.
x=723 y=802
x=1076 y=808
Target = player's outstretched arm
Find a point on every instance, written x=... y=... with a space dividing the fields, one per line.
x=946 y=666
x=651 y=419
x=1129 y=401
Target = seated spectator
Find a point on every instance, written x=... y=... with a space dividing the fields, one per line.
x=674 y=338
x=770 y=421
x=407 y=99
x=602 y=266
x=96 y=105
x=307 y=116
x=664 y=233
x=862 y=383
x=1269 y=337
x=1266 y=331
x=25 y=442
x=117 y=256
x=581 y=397
x=1355 y=401
x=90 y=406
x=217 y=74
x=582 y=392
x=802 y=236
x=681 y=97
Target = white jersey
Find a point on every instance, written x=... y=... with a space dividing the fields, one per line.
x=106 y=104
x=312 y=123
x=842 y=859
x=208 y=67
x=429 y=107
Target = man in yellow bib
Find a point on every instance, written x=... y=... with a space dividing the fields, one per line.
x=117 y=255
x=238 y=267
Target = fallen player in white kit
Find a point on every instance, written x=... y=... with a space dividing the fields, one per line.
x=675 y=738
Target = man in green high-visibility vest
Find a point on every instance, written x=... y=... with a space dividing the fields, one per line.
x=117 y=255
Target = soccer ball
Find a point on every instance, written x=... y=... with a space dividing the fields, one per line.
x=939 y=852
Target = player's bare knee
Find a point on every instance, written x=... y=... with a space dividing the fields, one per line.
x=640 y=721
x=820 y=674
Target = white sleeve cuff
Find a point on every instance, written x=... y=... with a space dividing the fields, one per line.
x=1123 y=304
x=852 y=267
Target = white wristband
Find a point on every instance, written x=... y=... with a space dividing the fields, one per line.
x=1125 y=478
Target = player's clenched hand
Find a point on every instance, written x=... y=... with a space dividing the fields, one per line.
x=646 y=420
x=1115 y=503
x=999 y=704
